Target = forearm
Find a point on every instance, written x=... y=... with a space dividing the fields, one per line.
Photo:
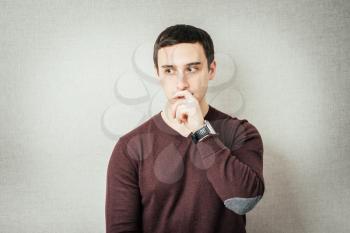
x=239 y=184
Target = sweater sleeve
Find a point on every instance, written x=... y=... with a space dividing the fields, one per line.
x=236 y=172
x=122 y=207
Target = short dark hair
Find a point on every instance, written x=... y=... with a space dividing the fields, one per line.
x=182 y=33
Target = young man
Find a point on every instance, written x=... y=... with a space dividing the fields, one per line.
x=189 y=168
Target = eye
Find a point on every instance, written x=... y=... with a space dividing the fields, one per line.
x=167 y=71
x=192 y=69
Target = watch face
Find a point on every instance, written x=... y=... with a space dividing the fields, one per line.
x=203 y=132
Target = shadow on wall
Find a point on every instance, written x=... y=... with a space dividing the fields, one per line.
x=280 y=210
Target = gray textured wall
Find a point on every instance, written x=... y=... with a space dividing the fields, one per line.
x=75 y=75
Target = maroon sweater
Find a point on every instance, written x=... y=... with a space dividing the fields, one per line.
x=161 y=181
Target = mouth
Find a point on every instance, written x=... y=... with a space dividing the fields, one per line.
x=180 y=97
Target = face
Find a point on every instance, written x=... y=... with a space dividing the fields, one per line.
x=184 y=67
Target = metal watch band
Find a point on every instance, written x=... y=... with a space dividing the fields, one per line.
x=203 y=132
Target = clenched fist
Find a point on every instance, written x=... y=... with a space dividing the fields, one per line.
x=185 y=109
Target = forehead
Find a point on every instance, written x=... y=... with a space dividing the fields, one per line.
x=181 y=54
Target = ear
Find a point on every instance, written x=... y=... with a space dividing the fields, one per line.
x=212 y=70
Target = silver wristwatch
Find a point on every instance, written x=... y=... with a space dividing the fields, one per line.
x=203 y=132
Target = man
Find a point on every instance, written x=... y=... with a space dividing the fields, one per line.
x=189 y=168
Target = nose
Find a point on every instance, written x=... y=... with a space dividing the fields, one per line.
x=181 y=82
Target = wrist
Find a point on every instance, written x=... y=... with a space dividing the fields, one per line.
x=198 y=127
x=205 y=131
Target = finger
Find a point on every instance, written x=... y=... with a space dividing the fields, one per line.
x=176 y=105
x=183 y=95
x=182 y=114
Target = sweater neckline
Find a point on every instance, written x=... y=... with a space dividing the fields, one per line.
x=164 y=127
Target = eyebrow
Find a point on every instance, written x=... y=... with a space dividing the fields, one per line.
x=188 y=64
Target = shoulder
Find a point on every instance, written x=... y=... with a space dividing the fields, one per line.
x=137 y=141
x=143 y=128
